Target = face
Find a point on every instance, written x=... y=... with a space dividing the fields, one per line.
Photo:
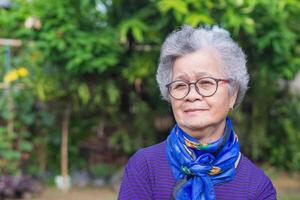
x=195 y=113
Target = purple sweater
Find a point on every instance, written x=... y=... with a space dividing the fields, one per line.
x=148 y=175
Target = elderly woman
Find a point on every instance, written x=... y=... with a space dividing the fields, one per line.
x=202 y=73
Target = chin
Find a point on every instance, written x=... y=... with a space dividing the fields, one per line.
x=194 y=124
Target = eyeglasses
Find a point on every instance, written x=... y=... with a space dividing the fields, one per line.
x=205 y=86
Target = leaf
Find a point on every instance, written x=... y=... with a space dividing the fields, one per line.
x=84 y=93
x=178 y=6
x=136 y=26
x=11 y=155
x=195 y=19
x=112 y=93
x=25 y=146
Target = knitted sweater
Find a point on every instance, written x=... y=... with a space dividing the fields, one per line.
x=148 y=175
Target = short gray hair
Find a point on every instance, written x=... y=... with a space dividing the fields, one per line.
x=187 y=40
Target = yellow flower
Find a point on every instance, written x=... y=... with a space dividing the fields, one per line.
x=22 y=72
x=15 y=74
x=11 y=76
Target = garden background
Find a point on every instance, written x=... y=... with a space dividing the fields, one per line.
x=78 y=94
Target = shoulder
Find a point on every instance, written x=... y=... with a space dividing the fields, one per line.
x=255 y=173
x=154 y=151
x=149 y=153
x=143 y=158
x=248 y=165
x=146 y=164
x=137 y=178
x=258 y=181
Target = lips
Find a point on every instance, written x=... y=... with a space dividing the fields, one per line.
x=194 y=110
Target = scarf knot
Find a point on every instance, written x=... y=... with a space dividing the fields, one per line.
x=199 y=167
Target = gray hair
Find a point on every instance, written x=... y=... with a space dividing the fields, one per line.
x=188 y=40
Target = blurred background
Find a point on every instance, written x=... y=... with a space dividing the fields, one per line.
x=78 y=94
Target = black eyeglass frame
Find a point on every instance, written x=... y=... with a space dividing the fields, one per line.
x=217 y=80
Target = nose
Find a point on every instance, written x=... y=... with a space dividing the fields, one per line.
x=193 y=94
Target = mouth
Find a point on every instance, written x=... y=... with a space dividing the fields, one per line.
x=194 y=110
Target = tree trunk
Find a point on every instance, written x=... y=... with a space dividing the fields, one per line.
x=64 y=143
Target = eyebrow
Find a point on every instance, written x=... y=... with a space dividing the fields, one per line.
x=185 y=76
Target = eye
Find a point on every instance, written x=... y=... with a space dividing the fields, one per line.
x=206 y=83
x=179 y=86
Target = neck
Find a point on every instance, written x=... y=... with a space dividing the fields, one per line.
x=207 y=134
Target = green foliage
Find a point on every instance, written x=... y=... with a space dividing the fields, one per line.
x=284 y=144
x=103 y=170
x=16 y=118
x=100 y=58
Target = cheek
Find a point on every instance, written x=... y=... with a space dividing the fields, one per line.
x=220 y=105
x=176 y=109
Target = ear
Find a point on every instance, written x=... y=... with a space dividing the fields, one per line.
x=233 y=99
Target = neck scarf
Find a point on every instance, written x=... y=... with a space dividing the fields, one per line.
x=197 y=167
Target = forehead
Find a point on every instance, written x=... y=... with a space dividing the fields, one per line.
x=204 y=62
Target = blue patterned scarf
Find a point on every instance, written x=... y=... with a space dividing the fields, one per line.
x=197 y=167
